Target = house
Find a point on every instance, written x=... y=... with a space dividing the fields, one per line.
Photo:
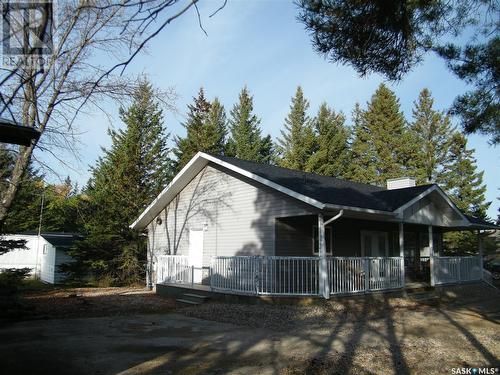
x=43 y=254
x=249 y=228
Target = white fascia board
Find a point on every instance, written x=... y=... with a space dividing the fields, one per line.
x=359 y=209
x=191 y=169
x=401 y=209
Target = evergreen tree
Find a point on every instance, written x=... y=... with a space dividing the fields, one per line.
x=124 y=181
x=332 y=155
x=246 y=141
x=205 y=130
x=389 y=144
x=463 y=183
x=267 y=150
x=362 y=166
x=298 y=142
x=432 y=131
x=24 y=212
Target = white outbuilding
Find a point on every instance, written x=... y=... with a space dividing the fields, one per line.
x=43 y=254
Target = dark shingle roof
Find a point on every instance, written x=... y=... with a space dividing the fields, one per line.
x=330 y=190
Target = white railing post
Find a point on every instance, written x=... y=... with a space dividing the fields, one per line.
x=431 y=253
x=402 y=253
x=323 y=272
x=366 y=267
x=480 y=248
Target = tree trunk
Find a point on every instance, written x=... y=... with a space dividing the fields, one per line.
x=7 y=196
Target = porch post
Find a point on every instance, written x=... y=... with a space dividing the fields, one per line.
x=402 y=252
x=431 y=255
x=324 y=286
x=480 y=248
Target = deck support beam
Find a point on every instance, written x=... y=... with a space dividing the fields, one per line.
x=431 y=254
x=402 y=252
x=324 y=285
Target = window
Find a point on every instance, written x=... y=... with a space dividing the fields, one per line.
x=328 y=239
x=44 y=248
x=374 y=244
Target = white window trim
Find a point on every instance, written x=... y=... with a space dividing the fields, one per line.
x=329 y=233
x=371 y=233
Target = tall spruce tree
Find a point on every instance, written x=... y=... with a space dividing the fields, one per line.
x=245 y=140
x=464 y=185
x=297 y=142
x=384 y=133
x=332 y=156
x=432 y=132
x=124 y=181
x=205 y=130
x=362 y=166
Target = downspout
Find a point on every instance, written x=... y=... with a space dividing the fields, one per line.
x=323 y=266
x=338 y=216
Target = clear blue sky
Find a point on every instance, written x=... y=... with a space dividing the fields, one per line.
x=260 y=44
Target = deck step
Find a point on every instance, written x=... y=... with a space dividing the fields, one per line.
x=197 y=296
x=187 y=301
x=193 y=298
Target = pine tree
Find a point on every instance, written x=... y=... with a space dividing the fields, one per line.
x=124 y=181
x=246 y=141
x=432 y=132
x=389 y=144
x=24 y=213
x=298 y=142
x=464 y=185
x=205 y=130
x=362 y=166
x=332 y=155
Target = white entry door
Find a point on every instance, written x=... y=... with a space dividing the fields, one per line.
x=196 y=253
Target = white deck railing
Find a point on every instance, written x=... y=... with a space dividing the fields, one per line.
x=299 y=276
x=265 y=275
x=448 y=270
x=173 y=269
x=364 y=274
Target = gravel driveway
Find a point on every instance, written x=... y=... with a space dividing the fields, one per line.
x=382 y=336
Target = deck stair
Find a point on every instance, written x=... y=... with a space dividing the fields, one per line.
x=192 y=299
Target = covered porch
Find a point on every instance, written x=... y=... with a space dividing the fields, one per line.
x=325 y=255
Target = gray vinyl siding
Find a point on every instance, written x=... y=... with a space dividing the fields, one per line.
x=236 y=213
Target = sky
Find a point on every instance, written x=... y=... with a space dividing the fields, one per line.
x=260 y=44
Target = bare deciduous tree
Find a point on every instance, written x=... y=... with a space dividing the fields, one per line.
x=94 y=41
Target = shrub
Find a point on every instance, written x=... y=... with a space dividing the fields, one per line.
x=11 y=278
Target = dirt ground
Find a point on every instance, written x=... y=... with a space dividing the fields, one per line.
x=92 y=302
x=369 y=334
